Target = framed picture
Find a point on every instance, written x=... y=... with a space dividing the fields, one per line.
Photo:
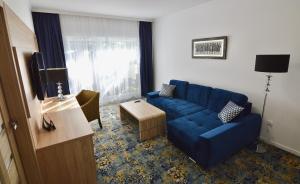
x=210 y=48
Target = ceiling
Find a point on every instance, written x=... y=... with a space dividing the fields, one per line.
x=139 y=9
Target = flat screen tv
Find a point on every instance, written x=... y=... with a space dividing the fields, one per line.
x=38 y=75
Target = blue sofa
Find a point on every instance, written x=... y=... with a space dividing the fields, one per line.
x=194 y=127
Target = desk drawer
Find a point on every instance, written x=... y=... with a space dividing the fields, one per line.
x=68 y=162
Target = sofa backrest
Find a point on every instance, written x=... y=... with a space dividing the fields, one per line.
x=198 y=94
x=181 y=88
x=219 y=98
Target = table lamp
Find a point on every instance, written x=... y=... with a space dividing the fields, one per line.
x=58 y=75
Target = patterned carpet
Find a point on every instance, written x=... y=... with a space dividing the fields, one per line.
x=121 y=158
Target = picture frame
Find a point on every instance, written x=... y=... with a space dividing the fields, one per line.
x=210 y=48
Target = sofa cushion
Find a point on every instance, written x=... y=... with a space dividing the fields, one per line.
x=181 y=88
x=198 y=94
x=205 y=118
x=175 y=107
x=187 y=129
x=219 y=98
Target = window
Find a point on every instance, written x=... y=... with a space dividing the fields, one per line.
x=102 y=55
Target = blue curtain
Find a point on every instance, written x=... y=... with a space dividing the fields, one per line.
x=48 y=33
x=146 y=66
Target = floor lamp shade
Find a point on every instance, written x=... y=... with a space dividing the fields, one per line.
x=272 y=63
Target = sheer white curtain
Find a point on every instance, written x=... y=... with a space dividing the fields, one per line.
x=102 y=54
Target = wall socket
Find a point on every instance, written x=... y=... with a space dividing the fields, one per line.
x=269 y=123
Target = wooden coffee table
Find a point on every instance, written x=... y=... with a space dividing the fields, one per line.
x=150 y=118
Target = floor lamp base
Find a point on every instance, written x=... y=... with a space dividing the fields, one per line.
x=260 y=148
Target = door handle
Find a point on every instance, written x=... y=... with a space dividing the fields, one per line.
x=14 y=125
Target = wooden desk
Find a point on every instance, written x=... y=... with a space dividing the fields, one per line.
x=66 y=155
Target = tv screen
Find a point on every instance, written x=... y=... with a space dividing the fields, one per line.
x=38 y=74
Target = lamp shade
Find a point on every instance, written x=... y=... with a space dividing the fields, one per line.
x=57 y=74
x=272 y=63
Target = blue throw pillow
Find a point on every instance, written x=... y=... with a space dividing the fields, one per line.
x=181 y=87
x=198 y=94
x=219 y=98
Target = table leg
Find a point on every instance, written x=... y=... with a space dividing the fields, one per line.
x=151 y=128
x=122 y=113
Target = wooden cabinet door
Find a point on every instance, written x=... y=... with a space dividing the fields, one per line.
x=15 y=34
x=9 y=158
x=8 y=173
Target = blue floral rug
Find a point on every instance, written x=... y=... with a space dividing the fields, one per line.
x=121 y=158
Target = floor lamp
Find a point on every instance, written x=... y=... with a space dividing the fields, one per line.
x=270 y=64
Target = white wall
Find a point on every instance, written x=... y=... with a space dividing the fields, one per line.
x=23 y=9
x=253 y=27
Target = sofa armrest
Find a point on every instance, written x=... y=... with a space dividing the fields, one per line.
x=219 y=143
x=153 y=94
x=248 y=109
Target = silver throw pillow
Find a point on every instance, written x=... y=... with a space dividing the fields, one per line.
x=167 y=90
x=229 y=112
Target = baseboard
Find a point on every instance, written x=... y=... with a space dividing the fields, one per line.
x=280 y=146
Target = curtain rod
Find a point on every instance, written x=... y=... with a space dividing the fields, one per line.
x=43 y=10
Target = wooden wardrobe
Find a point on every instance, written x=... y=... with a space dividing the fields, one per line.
x=22 y=108
x=21 y=116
